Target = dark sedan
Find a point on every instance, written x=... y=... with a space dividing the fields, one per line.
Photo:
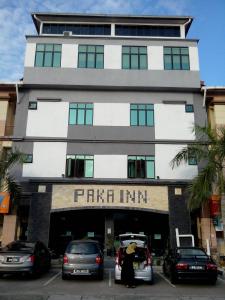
x=189 y=263
x=24 y=257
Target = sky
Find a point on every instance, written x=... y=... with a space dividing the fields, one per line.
x=208 y=26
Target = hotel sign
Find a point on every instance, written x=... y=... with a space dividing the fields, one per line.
x=84 y=196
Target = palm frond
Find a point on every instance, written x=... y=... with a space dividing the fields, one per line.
x=201 y=187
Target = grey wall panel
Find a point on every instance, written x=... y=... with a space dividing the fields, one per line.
x=110 y=96
x=112 y=78
x=114 y=41
x=111 y=133
x=110 y=148
x=21 y=113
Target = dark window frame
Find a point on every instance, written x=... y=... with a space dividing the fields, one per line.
x=172 y=57
x=47 y=52
x=77 y=112
x=86 y=52
x=146 y=109
x=137 y=163
x=130 y=57
x=76 y=163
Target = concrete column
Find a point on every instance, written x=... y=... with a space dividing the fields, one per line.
x=179 y=216
x=39 y=217
x=9 y=229
x=109 y=234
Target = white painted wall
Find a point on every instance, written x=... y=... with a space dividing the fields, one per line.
x=155 y=58
x=49 y=120
x=172 y=122
x=49 y=160
x=111 y=114
x=30 y=55
x=163 y=156
x=194 y=60
x=182 y=31
x=69 y=56
x=112 y=56
x=110 y=166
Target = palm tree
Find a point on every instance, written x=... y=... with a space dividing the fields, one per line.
x=209 y=152
x=7 y=181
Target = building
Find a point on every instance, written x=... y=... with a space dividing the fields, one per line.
x=7 y=115
x=214 y=100
x=106 y=103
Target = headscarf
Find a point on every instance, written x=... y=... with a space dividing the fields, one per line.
x=131 y=248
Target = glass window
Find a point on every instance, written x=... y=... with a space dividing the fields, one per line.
x=91 y=56
x=28 y=158
x=48 y=55
x=134 y=58
x=81 y=114
x=32 y=105
x=189 y=108
x=141 y=167
x=80 y=166
x=142 y=115
x=77 y=29
x=176 y=58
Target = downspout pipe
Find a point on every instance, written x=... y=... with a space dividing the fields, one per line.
x=204 y=96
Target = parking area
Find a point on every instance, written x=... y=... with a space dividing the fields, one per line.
x=51 y=285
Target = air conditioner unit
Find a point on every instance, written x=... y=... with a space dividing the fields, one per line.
x=67 y=33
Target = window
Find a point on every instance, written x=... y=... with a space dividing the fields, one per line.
x=134 y=58
x=141 y=167
x=91 y=57
x=32 y=105
x=189 y=108
x=176 y=58
x=77 y=29
x=79 y=166
x=81 y=114
x=28 y=158
x=192 y=159
x=48 y=55
x=142 y=115
x=145 y=30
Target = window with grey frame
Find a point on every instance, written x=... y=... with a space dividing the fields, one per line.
x=134 y=57
x=80 y=166
x=81 y=114
x=176 y=58
x=48 y=55
x=141 y=167
x=91 y=56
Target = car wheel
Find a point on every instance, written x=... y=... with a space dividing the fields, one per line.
x=117 y=281
x=173 y=278
x=100 y=275
x=65 y=276
x=213 y=281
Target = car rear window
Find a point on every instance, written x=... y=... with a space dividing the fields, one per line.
x=191 y=252
x=19 y=246
x=82 y=248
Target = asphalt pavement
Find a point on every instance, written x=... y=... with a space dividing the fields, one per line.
x=50 y=286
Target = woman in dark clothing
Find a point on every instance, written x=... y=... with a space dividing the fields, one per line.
x=127 y=273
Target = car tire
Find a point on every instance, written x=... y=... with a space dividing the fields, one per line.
x=100 y=275
x=173 y=278
x=117 y=281
x=65 y=276
x=213 y=281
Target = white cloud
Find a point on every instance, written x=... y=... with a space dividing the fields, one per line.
x=16 y=22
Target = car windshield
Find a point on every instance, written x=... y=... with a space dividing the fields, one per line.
x=19 y=246
x=191 y=253
x=82 y=248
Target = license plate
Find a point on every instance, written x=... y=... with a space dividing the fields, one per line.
x=196 y=267
x=80 y=271
x=13 y=259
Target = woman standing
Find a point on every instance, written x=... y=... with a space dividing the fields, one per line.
x=127 y=273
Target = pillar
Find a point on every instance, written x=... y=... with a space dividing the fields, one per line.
x=109 y=234
x=9 y=229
